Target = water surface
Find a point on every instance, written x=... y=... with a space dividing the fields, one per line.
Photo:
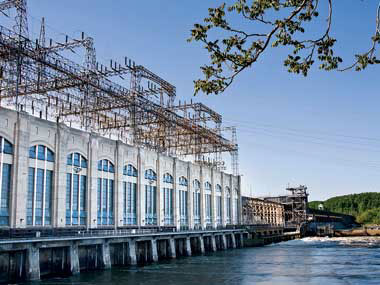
x=307 y=261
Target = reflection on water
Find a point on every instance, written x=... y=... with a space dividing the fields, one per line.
x=307 y=261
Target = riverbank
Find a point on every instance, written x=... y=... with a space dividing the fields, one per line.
x=359 y=232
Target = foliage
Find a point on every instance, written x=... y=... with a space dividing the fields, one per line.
x=371 y=216
x=365 y=206
x=273 y=23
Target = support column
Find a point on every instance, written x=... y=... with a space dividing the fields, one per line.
x=242 y=240
x=201 y=244
x=176 y=214
x=233 y=240
x=154 y=250
x=190 y=196
x=132 y=259
x=188 y=246
x=74 y=259
x=59 y=191
x=224 y=241
x=92 y=210
x=106 y=257
x=140 y=203
x=18 y=195
x=118 y=187
x=172 y=252
x=213 y=243
x=159 y=194
x=32 y=263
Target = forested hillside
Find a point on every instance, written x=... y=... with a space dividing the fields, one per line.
x=365 y=206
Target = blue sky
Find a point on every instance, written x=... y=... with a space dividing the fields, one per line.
x=322 y=131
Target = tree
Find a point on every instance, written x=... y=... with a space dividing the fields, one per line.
x=275 y=23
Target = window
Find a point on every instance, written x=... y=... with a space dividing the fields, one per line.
x=168 y=206
x=40 y=187
x=105 y=193
x=236 y=206
x=183 y=181
x=218 y=198
x=129 y=201
x=129 y=195
x=228 y=205
x=76 y=189
x=183 y=207
x=168 y=199
x=208 y=204
x=168 y=178
x=183 y=201
x=106 y=166
x=130 y=170
x=208 y=209
x=150 y=205
x=150 y=175
x=6 y=151
x=197 y=202
x=219 y=210
x=6 y=146
x=150 y=197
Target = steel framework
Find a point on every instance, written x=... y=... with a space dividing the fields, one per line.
x=126 y=101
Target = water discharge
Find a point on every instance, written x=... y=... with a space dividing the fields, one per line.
x=306 y=261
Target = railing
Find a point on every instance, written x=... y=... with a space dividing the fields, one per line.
x=83 y=232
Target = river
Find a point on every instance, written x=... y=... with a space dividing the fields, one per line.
x=308 y=261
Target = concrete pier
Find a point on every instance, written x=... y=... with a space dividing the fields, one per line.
x=188 y=247
x=60 y=256
x=74 y=259
x=213 y=243
x=132 y=260
x=201 y=244
x=106 y=257
x=224 y=242
x=233 y=241
x=154 y=250
x=32 y=263
x=172 y=252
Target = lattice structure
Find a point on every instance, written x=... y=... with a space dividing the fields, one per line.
x=295 y=204
x=121 y=100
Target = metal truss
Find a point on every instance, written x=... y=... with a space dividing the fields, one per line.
x=38 y=78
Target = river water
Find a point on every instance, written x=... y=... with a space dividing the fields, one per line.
x=308 y=261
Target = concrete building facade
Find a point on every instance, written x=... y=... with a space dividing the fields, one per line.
x=52 y=175
x=257 y=211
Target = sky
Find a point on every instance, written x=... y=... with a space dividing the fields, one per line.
x=321 y=131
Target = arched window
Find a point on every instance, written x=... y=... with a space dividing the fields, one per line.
x=150 y=197
x=218 y=198
x=105 y=197
x=106 y=166
x=183 y=181
x=40 y=186
x=129 y=195
x=76 y=189
x=168 y=198
x=208 y=204
x=150 y=175
x=6 y=151
x=228 y=205
x=183 y=200
x=168 y=178
x=197 y=202
x=130 y=170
